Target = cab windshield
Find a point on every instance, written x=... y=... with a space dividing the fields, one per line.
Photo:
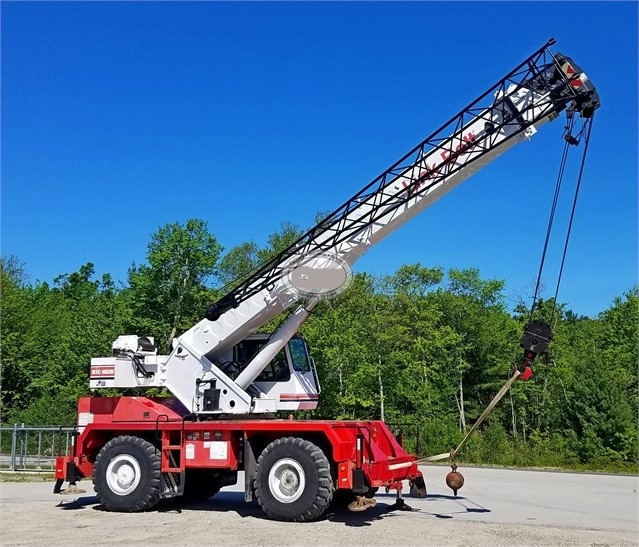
x=278 y=369
x=299 y=354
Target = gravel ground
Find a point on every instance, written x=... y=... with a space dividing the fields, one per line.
x=495 y=507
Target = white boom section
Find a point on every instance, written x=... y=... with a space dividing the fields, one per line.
x=196 y=348
x=206 y=336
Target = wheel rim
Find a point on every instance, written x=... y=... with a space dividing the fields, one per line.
x=123 y=474
x=286 y=480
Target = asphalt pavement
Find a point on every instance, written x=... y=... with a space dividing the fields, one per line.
x=495 y=507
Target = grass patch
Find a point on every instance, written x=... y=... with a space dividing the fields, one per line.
x=13 y=476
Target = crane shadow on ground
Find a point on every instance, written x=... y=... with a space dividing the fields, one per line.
x=69 y=504
x=433 y=505
x=447 y=507
x=224 y=502
x=234 y=502
x=463 y=504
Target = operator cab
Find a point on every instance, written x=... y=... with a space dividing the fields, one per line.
x=290 y=359
x=289 y=378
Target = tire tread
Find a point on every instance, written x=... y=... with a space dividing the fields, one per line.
x=325 y=489
x=151 y=496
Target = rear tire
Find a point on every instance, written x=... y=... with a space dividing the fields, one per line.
x=294 y=480
x=126 y=474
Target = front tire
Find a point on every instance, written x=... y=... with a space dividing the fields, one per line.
x=126 y=474
x=294 y=480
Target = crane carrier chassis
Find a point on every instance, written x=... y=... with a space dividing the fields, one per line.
x=141 y=449
x=228 y=381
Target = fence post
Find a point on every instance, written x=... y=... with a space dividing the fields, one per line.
x=39 y=449
x=14 y=434
x=24 y=445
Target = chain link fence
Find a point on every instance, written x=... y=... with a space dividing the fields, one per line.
x=25 y=448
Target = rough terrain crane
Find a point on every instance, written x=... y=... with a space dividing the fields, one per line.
x=228 y=380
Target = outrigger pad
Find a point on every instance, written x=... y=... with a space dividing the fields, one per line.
x=417 y=488
x=361 y=503
x=72 y=489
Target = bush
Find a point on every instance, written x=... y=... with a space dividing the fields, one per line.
x=47 y=410
x=438 y=436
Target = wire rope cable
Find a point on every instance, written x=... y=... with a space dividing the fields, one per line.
x=569 y=140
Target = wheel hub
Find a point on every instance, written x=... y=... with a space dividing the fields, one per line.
x=287 y=480
x=123 y=474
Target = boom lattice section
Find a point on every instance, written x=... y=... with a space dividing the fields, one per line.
x=538 y=89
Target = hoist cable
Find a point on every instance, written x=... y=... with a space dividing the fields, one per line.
x=588 y=129
x=553 y=209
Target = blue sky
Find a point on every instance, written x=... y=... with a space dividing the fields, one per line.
x=118 y=118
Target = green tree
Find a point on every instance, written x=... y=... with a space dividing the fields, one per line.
x=170 y=292
x=488 y=338
x=416 y=352
x=14 y=322
x=243 y=259
x=602 y=392
x=238 y=263
x=619 y=340
x=279 y=240
x=339 y=343
x=49 y=336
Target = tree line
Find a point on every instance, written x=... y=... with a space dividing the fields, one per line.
x=424 y=349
